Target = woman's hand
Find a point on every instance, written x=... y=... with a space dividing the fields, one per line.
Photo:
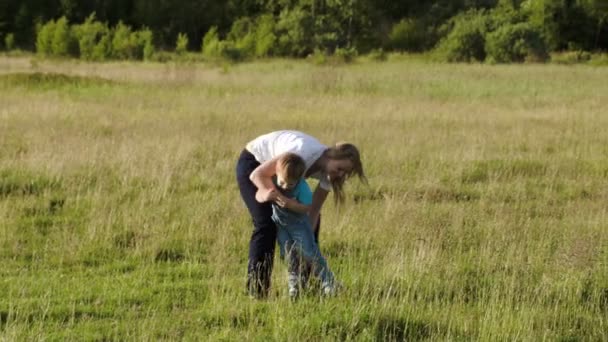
x=266 y=195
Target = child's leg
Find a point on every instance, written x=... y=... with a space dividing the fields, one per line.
x=283 y=239
x=303 y=235
x=293 y=268
x=290 y=252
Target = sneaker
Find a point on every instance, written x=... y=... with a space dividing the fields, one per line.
x=330 y=289
x=293 y=293
x=293 y=284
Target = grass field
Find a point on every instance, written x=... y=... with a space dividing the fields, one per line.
x=485 y=217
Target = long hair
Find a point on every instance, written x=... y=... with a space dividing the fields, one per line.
x=345 y=151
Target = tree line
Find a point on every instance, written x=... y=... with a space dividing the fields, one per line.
x=457 y=30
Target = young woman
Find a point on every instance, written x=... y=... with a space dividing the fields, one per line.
x=254 y=171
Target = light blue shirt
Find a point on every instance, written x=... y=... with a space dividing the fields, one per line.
x=284 y=217
x=302 y=193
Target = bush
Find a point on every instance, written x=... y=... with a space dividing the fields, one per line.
x=128 y=44
x=227 y=50
x=516 y=43
x=181 y=46
x=466 y=41
x=44 y=38
x=124 y=43
x=346 y=55
x=265 y=37
x=63 y=42
x=599 y=59
x=571 y=57
x=9 y=41
x=94 y=39
x=318 y=57
x=242 y=35
x=295 y=31
x=210 y=45
x=145 y=41
x=377 y=55
x=214 y=48
x=407 y=35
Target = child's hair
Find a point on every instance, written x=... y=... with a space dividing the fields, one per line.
x=342 y=151
x=292 y=165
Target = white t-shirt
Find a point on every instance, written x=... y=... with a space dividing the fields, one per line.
x=268 y=146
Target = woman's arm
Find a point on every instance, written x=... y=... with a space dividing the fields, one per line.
x=318 y=198
x=261 y=177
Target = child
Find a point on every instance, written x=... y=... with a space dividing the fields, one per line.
x=295 y=236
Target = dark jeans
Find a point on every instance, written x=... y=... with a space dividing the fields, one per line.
x=264 y=235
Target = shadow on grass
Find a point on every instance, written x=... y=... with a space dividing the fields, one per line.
x=51 y=81
x=3 y=318
x=391 y=328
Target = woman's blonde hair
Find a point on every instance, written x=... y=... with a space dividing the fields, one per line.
x=345 y=151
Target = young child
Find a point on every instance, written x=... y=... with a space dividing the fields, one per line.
x=294 y=231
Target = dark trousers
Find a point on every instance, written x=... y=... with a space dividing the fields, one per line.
x=264 y=235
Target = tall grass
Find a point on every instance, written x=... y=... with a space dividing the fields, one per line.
x=485 y=217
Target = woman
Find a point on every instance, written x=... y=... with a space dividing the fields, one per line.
x=256 y=167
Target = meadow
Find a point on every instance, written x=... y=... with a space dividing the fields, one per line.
x=485 y=217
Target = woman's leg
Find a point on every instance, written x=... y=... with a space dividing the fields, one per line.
x=263 y=237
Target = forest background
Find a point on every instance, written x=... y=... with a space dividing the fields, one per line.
x=455 y=31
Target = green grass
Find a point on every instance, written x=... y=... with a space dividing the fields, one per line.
x=485 y=216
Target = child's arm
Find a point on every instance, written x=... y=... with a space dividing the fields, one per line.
x=302 y=201
x=292 y=204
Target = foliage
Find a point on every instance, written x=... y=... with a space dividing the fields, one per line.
x=124 y=42
x=346 y=55
x=145 y=40
x=408 y=35
x=44 y=38
x=516 y=43
x=296 y=28
x=181 y=46
x=63 y=43
x=377 y=55
x=9 y=41
x=466 y=40
x=265 y=38
x=129 y=44
x=214 y=48
x=94 y=39
x=571 y=57
x=566 y=24
x=295 y=33
x=242 y=36
x=211 y=43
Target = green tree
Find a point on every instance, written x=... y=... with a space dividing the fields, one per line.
x=63 y=43
x=181 y=45
x=123 y=42
x=242 y=35
x=94 y=39
x=44 y=38
x=598 y=10
x=210 y=45
x=9 y=41
x=516 y=43
x=265 y=38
